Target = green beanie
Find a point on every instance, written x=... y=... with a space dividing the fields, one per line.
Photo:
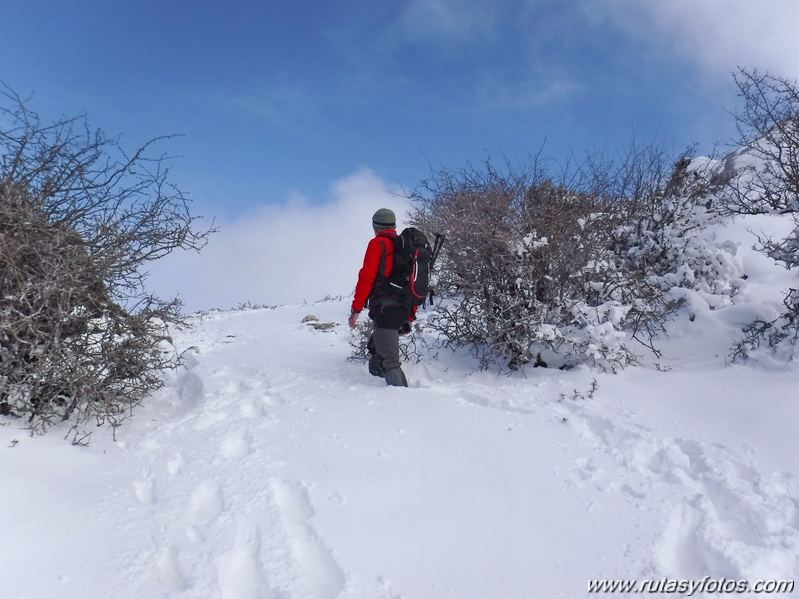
x=384 y=218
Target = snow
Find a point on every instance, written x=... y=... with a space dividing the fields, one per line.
x=270 y=467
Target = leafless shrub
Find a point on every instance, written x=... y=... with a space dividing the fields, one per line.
x=412 y=346
x=771 y=335
x=661 y=244
x=764 y=173
x=764 y=179
x=248 y=305
x=558 y=270
x=516 y=267
x=80 y=339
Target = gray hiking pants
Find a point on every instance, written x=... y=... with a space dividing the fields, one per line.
x=386 y=343
x=388 y=316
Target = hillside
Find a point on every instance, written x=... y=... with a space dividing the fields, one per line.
x=270 y=467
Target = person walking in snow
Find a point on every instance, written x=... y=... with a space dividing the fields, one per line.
x=388 y=314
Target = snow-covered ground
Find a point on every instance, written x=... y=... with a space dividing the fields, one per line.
x=271 y=467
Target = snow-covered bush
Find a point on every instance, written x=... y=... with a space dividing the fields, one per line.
x=778 y=336
x=568 y=272
x=762 y=177
x=80 y=340
x=664 y=242
x=523 y=268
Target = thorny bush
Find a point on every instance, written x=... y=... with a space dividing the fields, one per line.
x=560 y=271
x=762 y=177
x=80 y=339
x=412 y=346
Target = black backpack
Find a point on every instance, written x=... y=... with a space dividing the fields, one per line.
x=409 y=282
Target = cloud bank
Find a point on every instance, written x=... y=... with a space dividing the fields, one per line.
x=720 y=35
x=281 y=254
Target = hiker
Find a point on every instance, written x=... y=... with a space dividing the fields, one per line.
x=389 y=315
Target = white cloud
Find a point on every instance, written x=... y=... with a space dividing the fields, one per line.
x=448 y=19
x=721 y=35
x=281 y=254
x=279 y=104
x=495 y=94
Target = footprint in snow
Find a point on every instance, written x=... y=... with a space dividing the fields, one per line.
x=236 y=446
x=251 y=410
x=144 y=491
x=731 y=520
x=384 y=587
x=273 y=399
x=586 y=469
x=292 y=500
x=170 y=571
x=239 y=574
x=144 y=487
x=190 y=391
x=205 y=504
x=324 y=576
x=599 y=428
x=195 y=536
x=176 y=464
x=637 y=495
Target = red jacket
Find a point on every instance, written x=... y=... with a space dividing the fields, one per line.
x=379 y=246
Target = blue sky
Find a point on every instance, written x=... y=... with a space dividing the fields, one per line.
x=281 y=104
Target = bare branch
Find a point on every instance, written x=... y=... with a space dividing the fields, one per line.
x=80 y=338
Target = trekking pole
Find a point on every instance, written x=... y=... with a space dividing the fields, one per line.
x=438 y=241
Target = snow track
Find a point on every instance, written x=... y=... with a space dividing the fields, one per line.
x=270 y=468
x=323 y=574
x=725 y=516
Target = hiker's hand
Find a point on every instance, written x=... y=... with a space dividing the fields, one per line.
x=353 y=319
x=405 y=329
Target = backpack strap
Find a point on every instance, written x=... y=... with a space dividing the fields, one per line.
x=381 y=270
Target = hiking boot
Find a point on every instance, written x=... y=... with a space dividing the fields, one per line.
x=376 y=366
x=396 y=378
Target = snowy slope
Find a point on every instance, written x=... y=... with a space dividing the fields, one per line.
x=272 y=468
